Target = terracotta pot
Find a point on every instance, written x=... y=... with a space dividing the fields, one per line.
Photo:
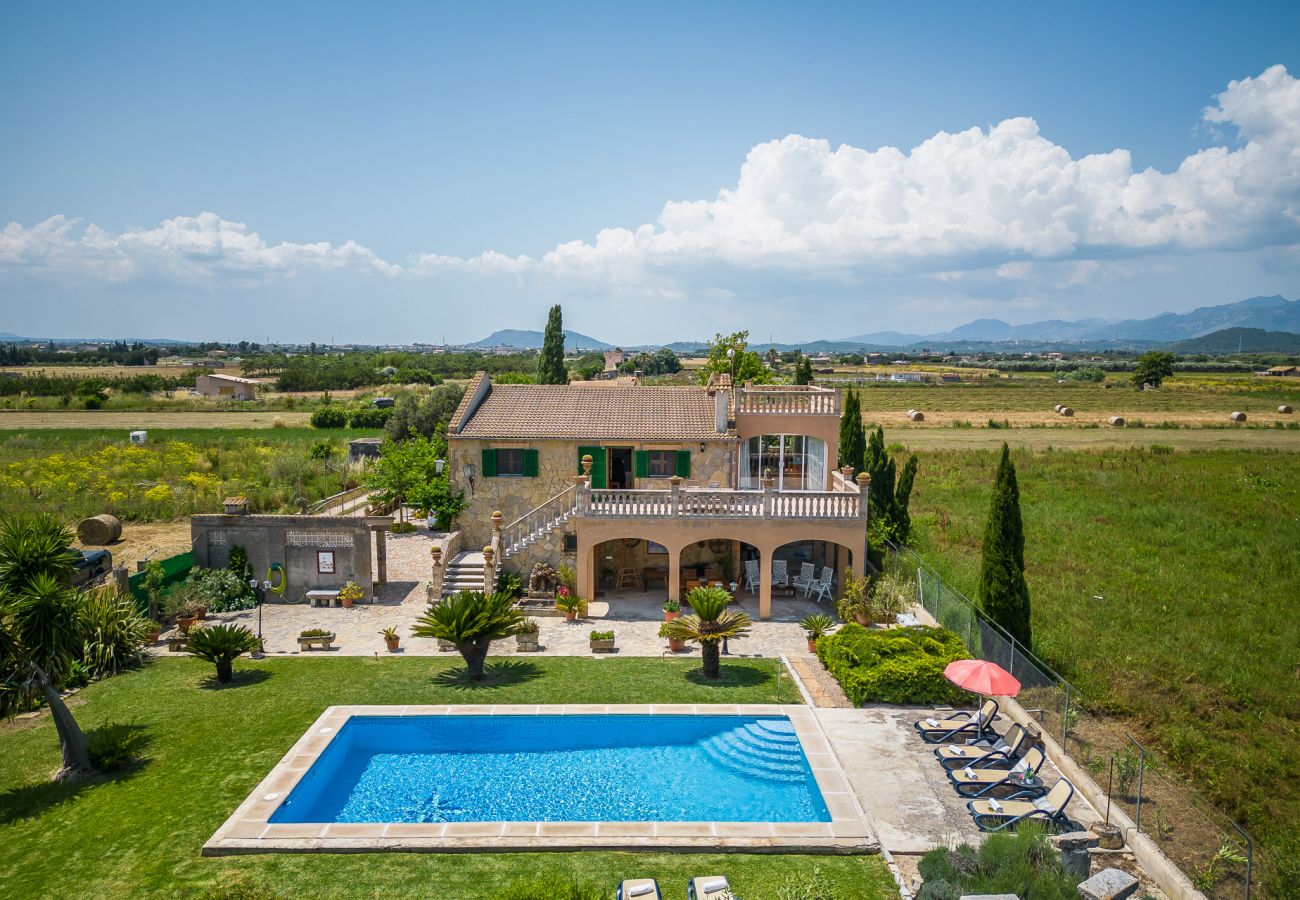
x=185 y=623
x=152 y=636
x=201 y=613
x=861 y=619
x=812 y=645
x=676 y=645
x=669 y=615
x=570 y=615
x=392 y=643
x=345 y=602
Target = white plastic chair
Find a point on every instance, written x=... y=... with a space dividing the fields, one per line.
x=780 y=574
x=807 y=575
x=751 y=575
x=822 y=586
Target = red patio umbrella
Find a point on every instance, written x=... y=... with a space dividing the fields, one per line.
x=982 y=677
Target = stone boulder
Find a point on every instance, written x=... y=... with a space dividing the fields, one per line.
x=1108 y=884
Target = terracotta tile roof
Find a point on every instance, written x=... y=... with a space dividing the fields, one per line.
x=471 y=390
x=615 y=412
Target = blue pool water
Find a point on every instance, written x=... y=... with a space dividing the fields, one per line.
x=611 y=768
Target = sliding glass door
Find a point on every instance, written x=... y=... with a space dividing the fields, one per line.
x=796 y=461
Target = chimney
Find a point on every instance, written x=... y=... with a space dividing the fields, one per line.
x=720 y=411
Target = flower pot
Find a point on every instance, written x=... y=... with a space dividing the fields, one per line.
x=445 y=645
x=345 y=602
x=151 y=637
x=201 y=613
x=862 y=619
x=602 y=646
x=392 y=643
x=185 y=623
x=812 y=645
x=676 y=645
x=669 y=616
x=570 y=615
x=526 y=644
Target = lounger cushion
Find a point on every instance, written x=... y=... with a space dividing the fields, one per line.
x=639 y=888
x=705 y=888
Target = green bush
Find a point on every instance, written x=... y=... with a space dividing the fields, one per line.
x=552 y=887
x=114 y=633
x=116 y=746
x=894 y=665
x=1024 y=863
x=369 y=417
x=221 y=590
x=329 y=417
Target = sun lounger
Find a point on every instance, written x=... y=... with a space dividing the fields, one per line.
x=971 y=782
x=936 y=731
x=639 y=889
x=710 y=887
x=999 y=752
x=996 y=815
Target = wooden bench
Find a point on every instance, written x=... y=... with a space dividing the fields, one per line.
x=323 y=598
x=318 y=642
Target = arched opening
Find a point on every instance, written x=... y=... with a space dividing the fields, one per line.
x=807 y=576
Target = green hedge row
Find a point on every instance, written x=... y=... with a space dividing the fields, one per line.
x=893 y=665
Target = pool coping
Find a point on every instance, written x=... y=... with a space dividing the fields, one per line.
x=248 y=829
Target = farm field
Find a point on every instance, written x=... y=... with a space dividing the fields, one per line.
x=1165 y=586
x=139 y=834
x=1093 y=439
x=12 y=420
x=75 y=473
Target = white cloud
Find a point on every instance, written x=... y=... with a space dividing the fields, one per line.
x=1000 y=199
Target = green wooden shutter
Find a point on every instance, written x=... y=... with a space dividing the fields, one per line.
x=530 y=463
x=642 y=464
x=598 y=479
x=489 y=463
x=684 y=463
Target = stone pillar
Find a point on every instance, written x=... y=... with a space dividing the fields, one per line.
x=864 y=488
x=675 y=566
x=675 y=489
x=489 y=570
x=381 y=554
x=764 y=584
x=586 y=566
x=769 y=487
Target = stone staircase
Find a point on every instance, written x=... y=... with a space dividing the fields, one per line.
x=464 y=573
x=537 y=523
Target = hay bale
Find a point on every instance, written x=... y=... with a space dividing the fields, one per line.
x=1117 y=421
x=99 y=530
x=1285 y=410
x=1066 y=411
x=916 y=415
x=1238 y=417
x=1057 y=409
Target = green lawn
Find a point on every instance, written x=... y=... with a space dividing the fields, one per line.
x=139 y=835
x=1166 y=586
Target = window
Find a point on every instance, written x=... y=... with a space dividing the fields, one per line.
x=510 y=462
x=570 y=542
x=661 y=463
x=797 y=462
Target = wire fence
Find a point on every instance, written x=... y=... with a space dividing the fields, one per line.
x=1215 y=853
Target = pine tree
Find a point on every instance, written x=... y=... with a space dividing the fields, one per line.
x=550 y=365
x=1003 y=593
x=803 y=373
x=903 y=497
x=853 y=439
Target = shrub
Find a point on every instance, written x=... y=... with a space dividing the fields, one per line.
x=322 y=450
x=1023 y=863
x=314 y=632
x=552 y=887
x=114 y=633
x=221 y=590
x=329 y=417
x=116 y=746
x=898 y=665
x=221 y=645
x=602 y=636
x=369 y=417
x=510 y=584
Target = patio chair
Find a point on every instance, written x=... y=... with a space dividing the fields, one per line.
x=936 y=731
x=712 y=887
x=780 y=574
x=1001 y=752
x=807 y=575
x=971 y=782
x=997 y=815
x=642 y=888
x=822 y=586
x=751 y=575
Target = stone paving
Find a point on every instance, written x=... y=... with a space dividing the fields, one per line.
x=634 y=617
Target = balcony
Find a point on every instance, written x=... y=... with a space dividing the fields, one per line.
x=787 y=400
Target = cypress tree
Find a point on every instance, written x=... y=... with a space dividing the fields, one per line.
x=880 y=466
x=1003 y=593
x=803 y=373
x=903 y=497
x=853 y=440
x=550 y=365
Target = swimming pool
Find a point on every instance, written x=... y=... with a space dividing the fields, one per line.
x=553 y=777
x=557 y=768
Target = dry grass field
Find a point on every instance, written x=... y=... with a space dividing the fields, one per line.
x=15 y=420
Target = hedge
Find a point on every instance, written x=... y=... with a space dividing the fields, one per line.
x=893 y=665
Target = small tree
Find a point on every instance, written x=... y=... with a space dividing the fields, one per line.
x=803 y=371
x=1003 y=593
x=1153 y=367
x=404 y=471
x=853 y=439
x=221 y=645
x=879 y=464
x=903 y=499
x=471 y=620
x=743 y=365
x=709 y=624
x=550 y=364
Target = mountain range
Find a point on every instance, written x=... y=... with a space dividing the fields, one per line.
x=532 y=340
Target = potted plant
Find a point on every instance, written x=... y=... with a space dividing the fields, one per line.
x=391 y=638
x=315 y=638
x=187 y=614
x=672 y=609
x=892 y=596
x=602 y=641
x=350 y=593
x=814 y=627
x=572 y=606
x=856 y=604
x=152 y=633
x=526 y=636
x=675 y=644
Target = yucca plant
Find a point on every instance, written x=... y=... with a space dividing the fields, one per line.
x=708 y=625
x=221 y=645
x=471 y=620
x=113 y=631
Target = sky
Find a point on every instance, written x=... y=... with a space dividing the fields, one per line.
x=391 y=173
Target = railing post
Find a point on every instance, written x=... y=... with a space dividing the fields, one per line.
x=1065 y=720
x=769 y=487
x=675 y=492
x=1142 y=767
x=864 y=493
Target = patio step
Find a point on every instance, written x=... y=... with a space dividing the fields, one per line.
x=464 y=573
x=761 y=750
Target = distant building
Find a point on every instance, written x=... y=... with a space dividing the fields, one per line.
x=1056 y=355
x=950 y=376
x=613 y=359
x=906 y=376
x=1282 y=372
x=226 y=387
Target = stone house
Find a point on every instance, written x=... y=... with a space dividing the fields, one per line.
x=656 y=487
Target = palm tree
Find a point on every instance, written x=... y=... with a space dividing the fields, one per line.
x=40 y=627
x=471 y=620
x=709 y=624
x=221 y=645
